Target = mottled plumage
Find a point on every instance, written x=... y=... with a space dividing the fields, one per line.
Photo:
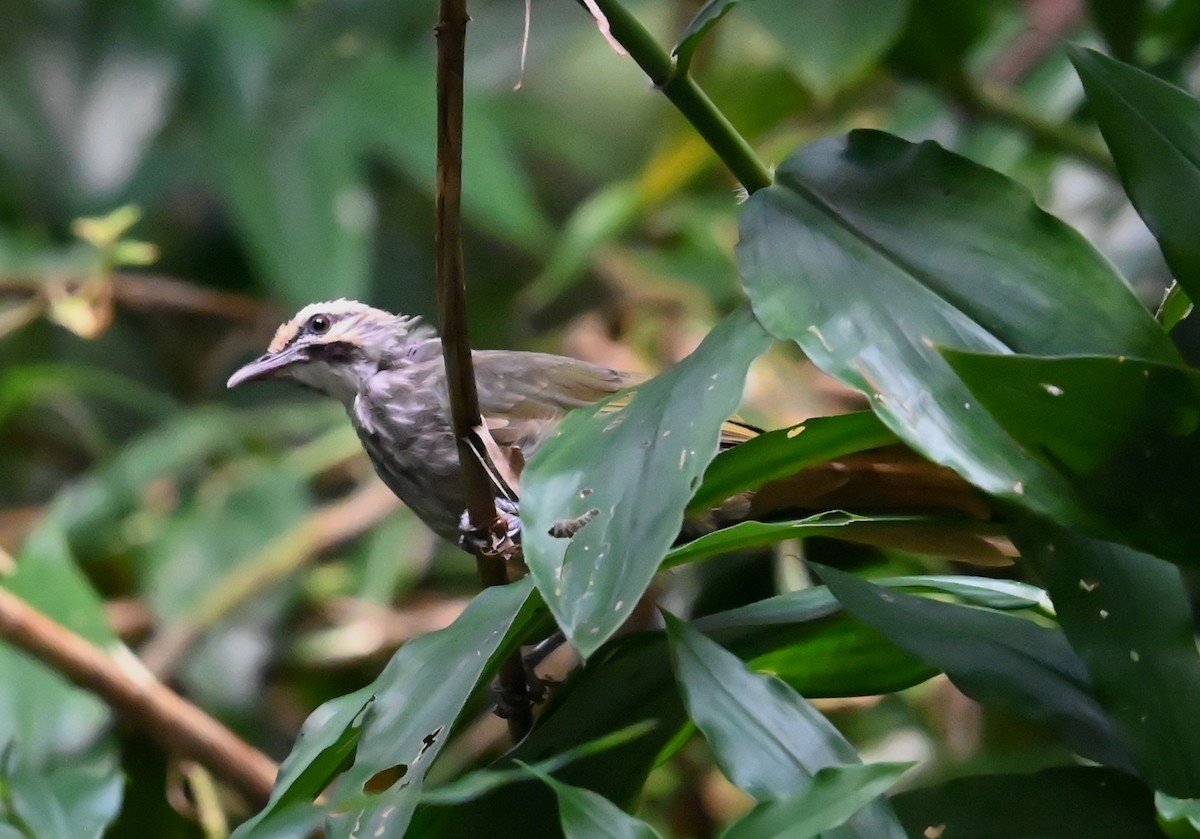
x=388 y=372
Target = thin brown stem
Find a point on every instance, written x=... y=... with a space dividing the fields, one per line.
x=132 y=691
x=456 y=346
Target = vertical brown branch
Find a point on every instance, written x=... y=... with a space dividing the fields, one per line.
x=452 y=308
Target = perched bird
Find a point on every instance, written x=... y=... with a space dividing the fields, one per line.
x=388 y=372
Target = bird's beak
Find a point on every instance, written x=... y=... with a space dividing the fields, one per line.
x=267 y=365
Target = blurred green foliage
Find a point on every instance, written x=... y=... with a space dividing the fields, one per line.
x=175 y=178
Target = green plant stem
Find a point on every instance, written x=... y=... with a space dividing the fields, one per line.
x=1002 y=106
x=683 y=92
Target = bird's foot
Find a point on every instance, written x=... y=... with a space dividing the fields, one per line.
x=537 y=687
x=501 y=540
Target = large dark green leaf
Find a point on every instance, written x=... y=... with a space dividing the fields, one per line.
x=872 y=252
x=1068 y=802
x=991 y=657
x=1128 y=616
x=1153 y=130
x=1123 y=434
x=778 y=454
x=399 y=723
x=766 y=738
x=635 y=468
x=59 y=766
x=835 y=795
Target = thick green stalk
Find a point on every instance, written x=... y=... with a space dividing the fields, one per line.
x=683 y=92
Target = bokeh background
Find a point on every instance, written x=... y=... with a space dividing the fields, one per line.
x=177 y=177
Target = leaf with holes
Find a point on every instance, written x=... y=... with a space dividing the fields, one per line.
x=1129 y=617
x=1123 y=434
x=872 y=252
x=629 y=474
x=992 y=657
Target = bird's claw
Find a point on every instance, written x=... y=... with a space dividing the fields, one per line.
x=500 y=541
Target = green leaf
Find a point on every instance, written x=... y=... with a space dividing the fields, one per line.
x=78 y=798
x=1153 y=131
x=586 y=815
x=1175 y=307
x=636 y=468
x=959 y=540
x=854 y=35
x=871 y=253
x=784 y=452
x=60 y=768
x=1128 y=616
x=474 y=784
x=1124 y=435
x=1065 y=802
x=834 y=796
x=991 y=657
x=766 y=738
x=1179 y=817
x=399 y=723
x=699 y=26
x=324 y=747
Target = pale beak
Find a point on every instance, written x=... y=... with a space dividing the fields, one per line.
x=268 y=365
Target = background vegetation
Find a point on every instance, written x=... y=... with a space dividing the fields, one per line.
x=279 y=153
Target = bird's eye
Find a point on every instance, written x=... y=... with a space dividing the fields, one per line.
x=318 y=324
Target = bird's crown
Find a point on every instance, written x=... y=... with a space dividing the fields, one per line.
x=347 y=321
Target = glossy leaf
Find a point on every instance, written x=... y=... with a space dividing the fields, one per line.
x=586 y=815
x=780 y=453
x=835 y=795
x=991 y=657
x=323 y=748
x=398 y=724
x=636 y=468
x=1065 y=802
x=765 y=737
x=1153 y=131
x=59 y=767
x=872 y=252
x=1179 y=817
x=968 y=541
x=1128 y=616
x=1175 y=307
x=1123 y=434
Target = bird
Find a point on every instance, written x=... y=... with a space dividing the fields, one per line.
x=388 y=371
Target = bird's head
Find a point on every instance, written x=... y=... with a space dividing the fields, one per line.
x=332 y=347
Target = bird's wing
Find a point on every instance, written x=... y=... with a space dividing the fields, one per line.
x=522 y=395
